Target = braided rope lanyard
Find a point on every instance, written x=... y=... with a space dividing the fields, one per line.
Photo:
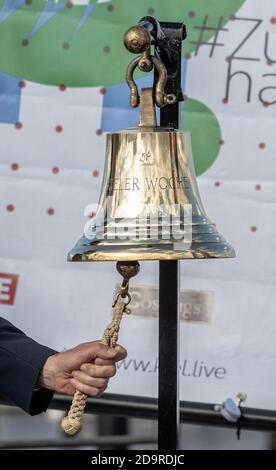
x=71 y=424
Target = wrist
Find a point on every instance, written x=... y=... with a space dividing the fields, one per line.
x=47 y=377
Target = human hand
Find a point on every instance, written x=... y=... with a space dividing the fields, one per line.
x=86 y=368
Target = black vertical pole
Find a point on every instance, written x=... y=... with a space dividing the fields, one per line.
x=168 y=383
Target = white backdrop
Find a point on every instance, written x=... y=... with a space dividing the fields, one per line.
x=48 y=174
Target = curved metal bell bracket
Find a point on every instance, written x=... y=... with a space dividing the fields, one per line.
x=161 y=98
x=137 y=39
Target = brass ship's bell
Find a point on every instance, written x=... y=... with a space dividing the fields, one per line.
x=149 y=178
x=149 y=207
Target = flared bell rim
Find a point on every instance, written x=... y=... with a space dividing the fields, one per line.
x=100 y=250
x=110 y=242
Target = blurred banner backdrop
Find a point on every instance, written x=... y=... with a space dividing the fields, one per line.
x=62 y=68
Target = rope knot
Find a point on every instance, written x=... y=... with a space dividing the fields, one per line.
x=71 y=424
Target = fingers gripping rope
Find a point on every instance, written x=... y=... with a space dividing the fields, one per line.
x=71 y=424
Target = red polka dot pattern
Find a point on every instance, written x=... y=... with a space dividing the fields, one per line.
x=262 y=145
x=217 y=184
x=258 y=187
x=18 y=125
x=14 y=166
x=10 y=207
x=50 y=211
x=55 y=170
x=62 y=87
x=253 y=228
x=95 y=173
x=59 y=128
x=99 y=132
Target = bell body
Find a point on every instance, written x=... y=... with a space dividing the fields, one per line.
x=149 y=207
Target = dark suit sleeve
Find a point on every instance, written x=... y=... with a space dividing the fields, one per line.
x=21 y=360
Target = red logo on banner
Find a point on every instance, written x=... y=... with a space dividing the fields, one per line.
x=8 y=284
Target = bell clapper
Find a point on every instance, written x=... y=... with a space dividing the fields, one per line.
x=127 y=269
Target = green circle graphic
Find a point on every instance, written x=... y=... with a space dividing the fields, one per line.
x=205 y=130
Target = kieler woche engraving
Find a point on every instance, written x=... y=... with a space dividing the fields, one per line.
x=162 y=183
